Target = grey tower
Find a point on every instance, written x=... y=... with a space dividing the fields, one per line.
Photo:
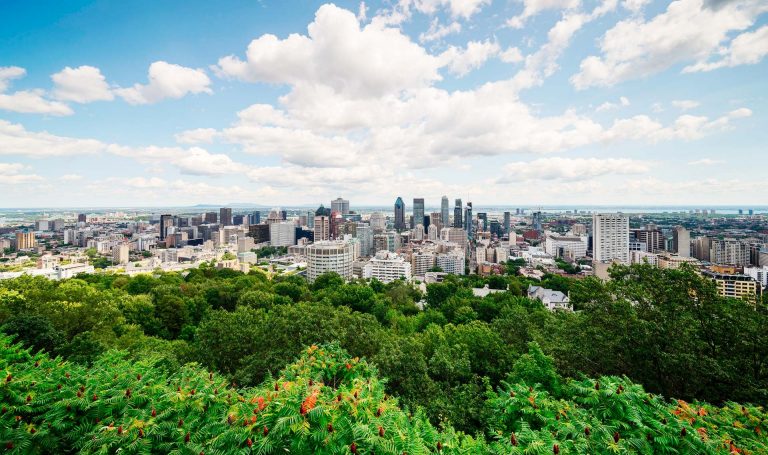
x=457 y=215
x=444 y=211
x=418 y=212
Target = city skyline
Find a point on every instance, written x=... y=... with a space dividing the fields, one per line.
x=288 y=104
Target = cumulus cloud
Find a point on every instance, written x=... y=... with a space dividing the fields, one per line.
x=511 y=55
x=458 y=8
x=607 y=106
x=166 y=80
x=461 y=61
x=438 y=31
x=337 y=53
x=16 y=140
x=687 y=31
x=685 y=105
x=192 y=161
x=197 y=136
x=10 y=174
x=534 y=7
x=27 y=101
x=571 y=169
x=83 y=84
x=746 y=49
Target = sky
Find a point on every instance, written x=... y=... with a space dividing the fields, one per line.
x=504 y=102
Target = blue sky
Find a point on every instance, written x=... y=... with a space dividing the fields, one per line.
x=292 y=102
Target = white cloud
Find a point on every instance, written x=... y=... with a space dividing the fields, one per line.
x=437 y=31
x=10 y=174
x=192 y=161
x=571 y=169
x=83 y=84
x=685 y=105
x=362 y=13
x=458 y=8
x=196 y=136
x=688 y=30
x=27 y=101
x=511 y=55
x=336 y=53
x=705 y=162
x=534 y=7
x=635 y=6
x=746 y=49
x=742 y=112
x=8 y=73
x=16 y=140
x=167 y=80
x=473 y=56
x=607 y=106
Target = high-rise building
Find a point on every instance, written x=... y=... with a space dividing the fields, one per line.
x=238 y=220
x=681 y=241
x=444 y=212
x=259 y=232
x=434 y=219
x=254 y=217
x=212 y=218
x=536 y=221
x=387 y=267
x=42 y=225
x=282 y=233
x=25 y=240
x=610 y=237
x=457 y=208
x=701 y=248
x=81 y=218
x=225 y=216
x=378 y=223
x=340 y=205
x=399 y=214
x=330 y=256
x=729 y=251
x=311 y=219
x=507 y=222
x=322 y=228
x=469 y=221
x=364 y=233
x=652 y=237
x=166 y=222
x=418 y=212
x=482 y=216
x=120 y=254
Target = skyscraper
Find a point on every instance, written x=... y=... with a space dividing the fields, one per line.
x=536 y=221
x=444 y=211
x=681 y=241
x=399 y=214
x=484 y=217
x=81 y=218
x=340 y=205
x=418 y=212
x=610 y=237
x=468 y=221
x=507 y=222
x=254 y=217
x=166 y=221
x=457 y=214
x=225 y=216
x=211 y=217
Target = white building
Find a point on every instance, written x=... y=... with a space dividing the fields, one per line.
x=378 y=222
x=759 y=274
x=120 y=254
x=451 y=262
x=571 y=247
x=552 y=300
x=329 y=256
x=610 y=237
x=387 y=267
x=421 y=262
x=433 y=232
x=454 y=235
x=282 y=233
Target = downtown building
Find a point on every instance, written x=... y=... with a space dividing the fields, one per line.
x=610 y=238
x=387 y=267
x=330 y=256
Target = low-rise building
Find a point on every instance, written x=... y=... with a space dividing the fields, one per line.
x=552 y=300
x=387 y=267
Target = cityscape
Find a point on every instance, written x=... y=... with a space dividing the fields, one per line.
x=415 y=241
x=384 y=227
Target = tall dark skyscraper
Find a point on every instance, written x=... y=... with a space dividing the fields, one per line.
x=418 y=212
x=166 y=221
x=225 y=216
x=254 y=218
x=537 y=222
x=211 y=218
x=457 y=214
x=81 y=218
x=399 y=214
x=483 y=216
x=468 y=221
x=507 y=222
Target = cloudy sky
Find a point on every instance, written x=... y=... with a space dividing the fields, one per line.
x=279 y=102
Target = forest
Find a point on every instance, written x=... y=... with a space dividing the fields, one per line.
x=217 y=361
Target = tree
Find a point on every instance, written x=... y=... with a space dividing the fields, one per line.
x=34 y=331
